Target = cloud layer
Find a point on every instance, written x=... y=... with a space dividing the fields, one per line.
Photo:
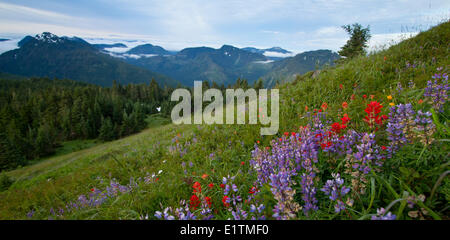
x=174 y=24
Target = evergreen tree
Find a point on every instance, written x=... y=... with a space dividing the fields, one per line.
x=45 y=141
x=107 y=132
x=10 y=155
x=127 y=125
x=357 y=43
x=258 y=84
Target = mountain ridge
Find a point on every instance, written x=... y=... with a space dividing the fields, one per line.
x=47 y=55
x=53 y=56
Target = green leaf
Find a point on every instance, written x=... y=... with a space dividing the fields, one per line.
x=404 y=171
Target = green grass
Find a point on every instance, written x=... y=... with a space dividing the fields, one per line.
x=62 y=178
x=415 y=170
x=156 y=120
x=68 y=147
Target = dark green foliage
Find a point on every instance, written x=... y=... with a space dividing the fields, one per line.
x=10 y=154
x=45 y=140
x=36 y=115
x=258 y=84
x=357 y=43
x=107 y=132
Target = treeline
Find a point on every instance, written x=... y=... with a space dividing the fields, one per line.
x=36 y=115
x=240 y=83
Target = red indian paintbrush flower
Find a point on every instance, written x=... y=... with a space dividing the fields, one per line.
x=208 y=201
x=337 y=127
x=373 y=110
x=197 y=187
x=194 y=202
x=225 y=201
x=345 y=119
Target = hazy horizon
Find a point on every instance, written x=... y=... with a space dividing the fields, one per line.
x=174 y=25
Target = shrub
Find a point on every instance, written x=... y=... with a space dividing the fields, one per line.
x=5 y=182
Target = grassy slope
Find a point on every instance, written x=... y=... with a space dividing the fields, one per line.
x=62 y=178
x=74 y=174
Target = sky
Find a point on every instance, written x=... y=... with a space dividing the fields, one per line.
x=295 y=25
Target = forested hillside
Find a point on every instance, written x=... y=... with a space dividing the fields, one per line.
x=36 y=115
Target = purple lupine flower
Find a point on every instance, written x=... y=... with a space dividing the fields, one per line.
x=424 y=127
x=226 y=189
x=234 y=187
x=399 y=125
x=336 y=191
x=181 y=213
x=286 y=207
x=257 y=212
x=206 y=211
x=263 y=164
x=411 y=84
x=423 y=119
x=98 y=197
x=381 y=215
x=369 y=156
x=30 y=213
x=239 y=214
x=399 y=88
x=308 y=191
x=437 y=91
x=165 y=214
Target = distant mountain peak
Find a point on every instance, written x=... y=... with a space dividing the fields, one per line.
x=52 y=40
x=277 y=49
x=148 y=49
x=273 y=53
x=48 y=38
x=228 y=47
